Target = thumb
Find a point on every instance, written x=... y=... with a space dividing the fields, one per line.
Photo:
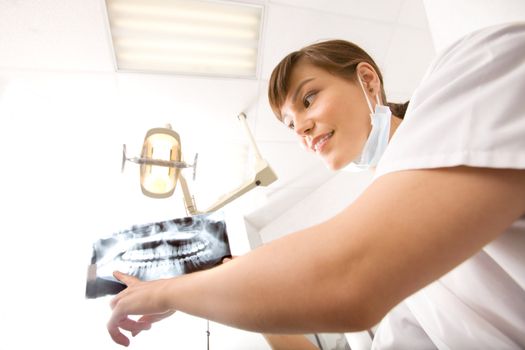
x=228 y=258
x=128 y=280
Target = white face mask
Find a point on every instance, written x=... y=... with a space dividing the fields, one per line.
x=378 y=138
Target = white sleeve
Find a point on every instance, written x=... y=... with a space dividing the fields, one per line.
x=469 y=109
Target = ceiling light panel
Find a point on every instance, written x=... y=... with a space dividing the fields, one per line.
x=185 y=36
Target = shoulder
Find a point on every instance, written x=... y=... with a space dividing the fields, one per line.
x=482 y=46
x=490 y=55
x=469 y=109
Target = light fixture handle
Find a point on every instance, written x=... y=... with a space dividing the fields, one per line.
x=264 y=176
x=242 y=118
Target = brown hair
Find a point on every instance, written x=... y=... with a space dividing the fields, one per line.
x=339 y=57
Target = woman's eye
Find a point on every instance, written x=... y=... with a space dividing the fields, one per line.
x=288 y=122
x=308 y=99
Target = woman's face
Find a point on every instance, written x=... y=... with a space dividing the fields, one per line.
x=328 y=113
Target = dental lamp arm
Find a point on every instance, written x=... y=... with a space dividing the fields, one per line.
x=264 y=176
x=242 y=118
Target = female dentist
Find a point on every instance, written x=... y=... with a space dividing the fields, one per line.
x=433 y=250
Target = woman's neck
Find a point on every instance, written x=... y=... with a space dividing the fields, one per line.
x=394 y=123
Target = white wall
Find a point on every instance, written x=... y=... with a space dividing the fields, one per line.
x=61 y=188
x=60 y=147
x=449 y=20
x=326 y=201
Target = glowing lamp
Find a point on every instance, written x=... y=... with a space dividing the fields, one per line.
x=160 y=164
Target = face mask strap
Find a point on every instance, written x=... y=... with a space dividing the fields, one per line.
x=366 y=96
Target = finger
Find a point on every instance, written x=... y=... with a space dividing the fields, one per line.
x=134 y=326
x=115 y=332
x=116 y=299
x=149 y=319
x=146 y=326
x=156 y=317
x=113 y=302
x=118 y=337
x=127 y=279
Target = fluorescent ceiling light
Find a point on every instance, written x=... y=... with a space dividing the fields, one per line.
x=185 y=36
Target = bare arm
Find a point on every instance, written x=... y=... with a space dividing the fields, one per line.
x=406 y=230
x=285 y=341
x=289 y=342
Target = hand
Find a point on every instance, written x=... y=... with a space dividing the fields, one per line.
x=139 y=298
x=226 y=259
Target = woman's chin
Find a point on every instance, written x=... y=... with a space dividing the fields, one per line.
x=335 y=164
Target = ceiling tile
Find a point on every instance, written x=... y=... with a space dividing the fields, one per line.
x=285 y=33
x=202 y=110
x=367 y=9
x=54 y=35
x=409 y=55
x=413 y=14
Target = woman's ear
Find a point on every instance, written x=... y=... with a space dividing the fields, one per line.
x=370 y=79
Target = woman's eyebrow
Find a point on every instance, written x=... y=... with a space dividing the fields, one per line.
x=299 y=87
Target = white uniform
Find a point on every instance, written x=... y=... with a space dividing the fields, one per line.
x=469 y=110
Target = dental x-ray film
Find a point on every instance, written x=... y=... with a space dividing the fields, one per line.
x=157 y=250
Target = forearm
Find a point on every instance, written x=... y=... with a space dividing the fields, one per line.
x=289 y=342
x=292 y=285
x=344 y=274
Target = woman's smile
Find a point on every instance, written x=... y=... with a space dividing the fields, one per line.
x=318 y=143
x=318 y=104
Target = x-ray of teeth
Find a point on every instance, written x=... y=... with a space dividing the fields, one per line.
x=157 y=250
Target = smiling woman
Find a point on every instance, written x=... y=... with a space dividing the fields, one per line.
x=432 y=250
x=327 y=82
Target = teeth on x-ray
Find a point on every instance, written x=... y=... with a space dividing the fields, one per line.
x=157 y=250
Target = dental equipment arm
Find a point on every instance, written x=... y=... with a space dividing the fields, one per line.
x=264 y=176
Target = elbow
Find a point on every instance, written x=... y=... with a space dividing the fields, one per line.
x=361 y=312
x=369 y=320
x=362 y=318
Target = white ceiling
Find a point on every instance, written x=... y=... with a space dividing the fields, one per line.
x=71 y=37
x=65 y=112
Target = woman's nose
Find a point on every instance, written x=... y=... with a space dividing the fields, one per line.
x=303 y=127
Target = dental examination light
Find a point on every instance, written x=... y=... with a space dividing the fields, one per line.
x=161 y=163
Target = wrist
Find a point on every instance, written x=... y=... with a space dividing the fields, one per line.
x=175 y=292
x=167 y=293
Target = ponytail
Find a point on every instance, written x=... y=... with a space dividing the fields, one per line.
x=338 y=57
x=398 y=109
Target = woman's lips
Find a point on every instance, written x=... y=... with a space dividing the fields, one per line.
x=319 y=143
